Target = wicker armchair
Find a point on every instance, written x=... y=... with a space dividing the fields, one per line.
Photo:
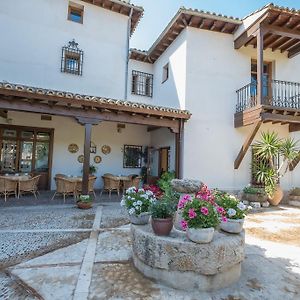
x=65 y=187
x=92 y=180
x=29 y=186
x=134 y=180
x=111 y=183
x=8 y=187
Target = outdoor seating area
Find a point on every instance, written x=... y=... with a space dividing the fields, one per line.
x=18 y=184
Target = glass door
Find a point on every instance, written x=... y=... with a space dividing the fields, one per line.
x=26 y=156
x=9 y=156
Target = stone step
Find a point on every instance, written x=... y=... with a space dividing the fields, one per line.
x=294 y=203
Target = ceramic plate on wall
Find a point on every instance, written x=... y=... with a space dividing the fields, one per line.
x=97 y=159
x=80 y=159
x=73 y=148
x=106 y=149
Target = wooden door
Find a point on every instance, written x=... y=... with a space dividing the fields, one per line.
x=164 y=157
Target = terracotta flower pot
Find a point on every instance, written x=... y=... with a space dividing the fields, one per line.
x=200 y=235
x=162 y=227
x=276 y=197
x=84 y=205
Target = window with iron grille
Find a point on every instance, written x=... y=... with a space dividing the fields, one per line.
x=72 y=59
x=142 y=84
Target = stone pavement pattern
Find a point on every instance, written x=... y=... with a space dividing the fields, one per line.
x=271 y=269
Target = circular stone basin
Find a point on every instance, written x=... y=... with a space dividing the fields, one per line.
x=182 y=264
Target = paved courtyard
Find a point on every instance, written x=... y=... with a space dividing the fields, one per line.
x=59 y=252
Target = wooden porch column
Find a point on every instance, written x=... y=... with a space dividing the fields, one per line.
x=87 y=123
x=260 y=65
x=179 y=150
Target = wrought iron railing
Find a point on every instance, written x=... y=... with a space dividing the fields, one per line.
x=277 y=93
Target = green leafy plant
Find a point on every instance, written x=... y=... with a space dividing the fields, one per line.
x=85 y=198
x=92 y=169
x=199 y=214
x=254 y=190
x=162 y=210
x=269 y=150
x=234 y=209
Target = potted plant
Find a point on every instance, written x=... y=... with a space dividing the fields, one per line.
x=200 y=218
x=295 y=194
x=234 y=212
x=162 y=217
x=255 y=194
x=84 y=202
x=92 y=170
x=137 y=203
x=274 y=156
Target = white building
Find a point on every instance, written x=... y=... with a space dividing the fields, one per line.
x=75 y=56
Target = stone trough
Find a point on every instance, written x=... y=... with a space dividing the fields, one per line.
x=179 y=263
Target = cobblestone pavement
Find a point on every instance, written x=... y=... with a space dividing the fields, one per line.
x=98 y=266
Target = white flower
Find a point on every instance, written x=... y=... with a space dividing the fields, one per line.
x=241 y=206
x=152 y=200
x=139 y=202
x=123 y=202
x=131 y=190
x=145 y=196
x=135 y=204
x=232 y=197
x=141 y=190
x=231 y=212
x=149 y=193
x=131 y=211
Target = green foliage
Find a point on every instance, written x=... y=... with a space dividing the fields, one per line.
x=162 y=210
x=85 y=198
x=267 y=151
x=233 y=207
x=254 y=190
x=201 y=220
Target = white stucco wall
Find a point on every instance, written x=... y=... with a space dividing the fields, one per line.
x=214 y=72
x=33 y=33
x=71 y=132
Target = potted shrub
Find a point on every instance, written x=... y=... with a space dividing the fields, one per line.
x=162 y=217
x=234 y=212
x=137 y=203
x=255 y=194
x=268 y=151
x=200 y=218
x=295 y=194
x=84 y=202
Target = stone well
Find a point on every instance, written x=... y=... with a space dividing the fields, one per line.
x=182 y=264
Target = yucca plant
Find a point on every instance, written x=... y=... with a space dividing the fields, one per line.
x=269 y=149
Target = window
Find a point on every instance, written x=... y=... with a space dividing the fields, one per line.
x=165 y=75
x=72 y=59
x=142 y=84
x=75 y=13
x=132 y=156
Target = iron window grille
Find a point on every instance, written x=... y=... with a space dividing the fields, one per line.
x=142 y=84
x=72 y=59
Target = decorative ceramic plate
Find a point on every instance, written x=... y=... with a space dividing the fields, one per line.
x=73 y=148
x=80 y=159
x=97 y=159
x=106 y=149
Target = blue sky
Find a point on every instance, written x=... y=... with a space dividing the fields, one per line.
x=158 y=13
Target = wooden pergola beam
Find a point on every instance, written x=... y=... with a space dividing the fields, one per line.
x=247 y=144
x=282 y=31
x=294 y=51
x=280 y=118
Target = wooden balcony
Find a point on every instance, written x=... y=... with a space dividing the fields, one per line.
x=280 y=103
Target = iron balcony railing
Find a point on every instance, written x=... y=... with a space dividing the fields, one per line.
x=277 y=93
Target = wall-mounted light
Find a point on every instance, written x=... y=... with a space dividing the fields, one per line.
x=120 y=127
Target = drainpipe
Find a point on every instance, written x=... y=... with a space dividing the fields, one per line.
x=127 y=54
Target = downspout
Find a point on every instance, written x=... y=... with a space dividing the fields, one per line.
x=127 y=54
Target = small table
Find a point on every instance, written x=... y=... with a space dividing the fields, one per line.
x=18 y=177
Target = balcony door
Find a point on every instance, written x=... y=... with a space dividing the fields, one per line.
x=267 y=79
x=26 y=150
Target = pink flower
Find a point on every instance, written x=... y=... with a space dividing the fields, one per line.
x=224 y=219
x=221 y=210
x=187 y=197
x=204 y=211
x=192 y=213
x=184 y=225
x=184 y=200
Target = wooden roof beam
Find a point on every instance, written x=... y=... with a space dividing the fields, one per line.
x=291 y=33
x=279 y=43
x=294 y=51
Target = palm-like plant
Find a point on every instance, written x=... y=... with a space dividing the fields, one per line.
x=268 y=150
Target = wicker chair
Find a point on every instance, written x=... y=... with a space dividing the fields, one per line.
x=92 y=180
x=29 y=186
x=111 y=183
x=8 y=187
x=134 y=180
x=60 y=176
x=65 y=187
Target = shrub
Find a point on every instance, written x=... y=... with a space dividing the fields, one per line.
x=161 y=210
x=254 y=190
x=85 y=198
